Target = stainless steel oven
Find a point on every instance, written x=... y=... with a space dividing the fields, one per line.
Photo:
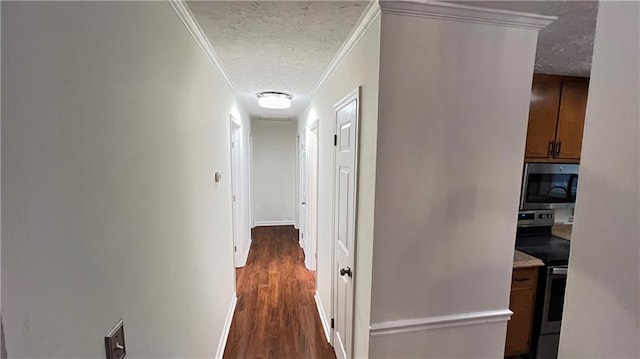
x=555 y=282
x=549 y=186
x=534 y=237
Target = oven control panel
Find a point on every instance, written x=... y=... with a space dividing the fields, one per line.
x=536 y=218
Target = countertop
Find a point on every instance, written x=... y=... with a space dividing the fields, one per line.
x=523 y=260
x=562 y=230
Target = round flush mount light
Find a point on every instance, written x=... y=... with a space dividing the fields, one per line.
x=275 y=100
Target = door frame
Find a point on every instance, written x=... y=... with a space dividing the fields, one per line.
x=302 y=166
x=249 y=195
x=298 y=184
x=236 y=176
x=311 y=230
x=354 y=94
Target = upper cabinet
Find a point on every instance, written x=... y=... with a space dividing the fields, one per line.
x=556 y=118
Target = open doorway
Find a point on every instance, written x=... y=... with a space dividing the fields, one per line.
x=310 y=201
x=240 y=244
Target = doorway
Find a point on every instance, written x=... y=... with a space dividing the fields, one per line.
x=237 y=195
x=346 y=113
x=310 y=237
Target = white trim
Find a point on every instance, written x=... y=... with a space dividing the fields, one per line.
x=274 y=223
x=310 y=259
x=250 y=194
x=297 y=211
x=315 y=124
x=445 y=321
x=246 y=253
x=201 y=38
x=233 y=119
x=323 y=317
x=466 y=13
x=368 y=17
x=227 y=326
x=236 y=187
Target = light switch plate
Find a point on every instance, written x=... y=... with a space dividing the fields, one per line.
x=114 y=342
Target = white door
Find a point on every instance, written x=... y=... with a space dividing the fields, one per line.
x=249 y=195
x=303 y=189
x=346 y=154
x=311 y=226
x=236 y=191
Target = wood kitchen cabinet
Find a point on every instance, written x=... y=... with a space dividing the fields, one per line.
x=556 y=118
x=522 y=304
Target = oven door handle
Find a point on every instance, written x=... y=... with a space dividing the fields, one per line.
x=559 y=271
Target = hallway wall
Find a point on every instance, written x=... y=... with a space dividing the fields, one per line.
x=359 y=68
x=602 y=305
x=274 y=172
x=113 y=124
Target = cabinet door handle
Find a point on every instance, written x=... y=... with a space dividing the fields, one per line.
x=557 y=151
x=550 y=149
x=520 y=279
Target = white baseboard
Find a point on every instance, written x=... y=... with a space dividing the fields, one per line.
x=308 y=263
x=323 y=318
x=246 y=254
x=274 y=223
x=445 y=321
x=227 y=326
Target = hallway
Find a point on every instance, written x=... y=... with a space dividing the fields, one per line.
x=276 y=315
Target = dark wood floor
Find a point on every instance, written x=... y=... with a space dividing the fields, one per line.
x=276 y=315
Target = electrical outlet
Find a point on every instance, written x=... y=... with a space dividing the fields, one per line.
x=114 y=342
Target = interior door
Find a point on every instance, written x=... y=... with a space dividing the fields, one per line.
x=311 y=228
x=543 y=114
x=573 y=108
x=236 y=190
x=303 y=188
x=346 y=114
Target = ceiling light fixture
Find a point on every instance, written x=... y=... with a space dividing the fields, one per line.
x=275 y=100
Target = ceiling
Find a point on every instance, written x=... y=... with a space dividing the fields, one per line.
x=287 y=45
x=276 y=45
x=566 y=46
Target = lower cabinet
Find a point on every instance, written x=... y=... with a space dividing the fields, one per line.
x=522 y=304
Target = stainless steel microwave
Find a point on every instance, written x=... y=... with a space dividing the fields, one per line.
x=549 y=186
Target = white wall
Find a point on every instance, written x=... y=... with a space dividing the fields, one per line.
x=113 y=125
x=602 y=306
x=359 y=68
x=274 y=172
x=453 y=111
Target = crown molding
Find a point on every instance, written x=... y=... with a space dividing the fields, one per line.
x=189 y=20
x=368 y=17
x=466 y=13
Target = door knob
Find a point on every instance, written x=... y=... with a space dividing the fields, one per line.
x=346 y=271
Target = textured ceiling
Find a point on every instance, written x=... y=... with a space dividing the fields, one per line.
x=276 y=45
x=566 y=46
x=286 y=45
